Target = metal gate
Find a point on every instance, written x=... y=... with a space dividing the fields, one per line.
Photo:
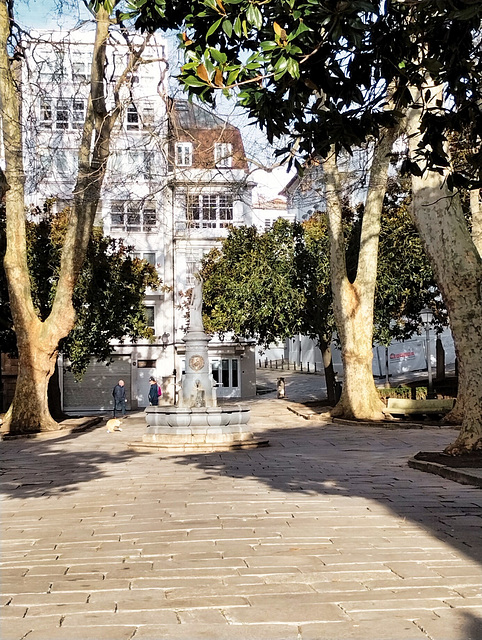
x=94 y=391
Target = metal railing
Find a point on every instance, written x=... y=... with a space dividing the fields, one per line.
x=285 y=365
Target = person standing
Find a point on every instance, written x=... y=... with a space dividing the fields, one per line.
x=153 y=392
x=119 y=395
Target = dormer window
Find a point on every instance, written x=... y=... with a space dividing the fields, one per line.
x=223 y=155
x=184 y=154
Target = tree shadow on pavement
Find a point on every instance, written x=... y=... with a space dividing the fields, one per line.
x=367 y=462
x=32 y=468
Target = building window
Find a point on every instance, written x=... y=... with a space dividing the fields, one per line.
x=223 y=155
x=66 y=113
x=146 y=364
x=147 y=165
x=62 y=114
x=46 y=114
x=226 y=372
x=78 y=113
x=184 y=154
x=64 y=162
x=149 y=312
x=81 y=67
x=148 y=113
x=210 y=211
x=132 y=117
x=149 y=217
x=133 y=216
x=193 y=261
x=148 y=256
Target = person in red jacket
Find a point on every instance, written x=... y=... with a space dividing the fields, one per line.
x=154 y=392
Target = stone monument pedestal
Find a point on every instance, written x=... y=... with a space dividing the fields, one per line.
x=197 y=423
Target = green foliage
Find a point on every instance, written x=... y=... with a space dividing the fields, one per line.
x=275 y=284
x=108 y=298
x=405 y=282
x=258 y=285
x=318 y=72
x=403 y=393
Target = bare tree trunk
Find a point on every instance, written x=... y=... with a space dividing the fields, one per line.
x=457 y=266
x=325 y=348
x=38 y=341
x=476 y=211
x=353 y=302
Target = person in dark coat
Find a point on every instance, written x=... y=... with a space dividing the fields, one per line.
x=153 y=392
x=119 y=395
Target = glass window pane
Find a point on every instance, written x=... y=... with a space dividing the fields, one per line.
x=225 y=372
x=62 y=114
x=149 y=219
x=234 y=371
x=223 y=154
x=46 y=114
x=215 y=370
x=117 y=215
x=149 y=316
x=133 y=217
x=149 y=257
x=78 y=113
x=132 y=117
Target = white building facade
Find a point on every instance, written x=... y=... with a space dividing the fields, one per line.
x=176 y=180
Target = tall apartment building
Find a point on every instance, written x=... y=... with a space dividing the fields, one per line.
x=176 y=180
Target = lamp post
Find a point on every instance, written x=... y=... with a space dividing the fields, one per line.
x=426 y=316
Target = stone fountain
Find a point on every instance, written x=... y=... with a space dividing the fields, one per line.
x=197 y=422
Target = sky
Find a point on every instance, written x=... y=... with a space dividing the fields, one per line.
x=43 y=14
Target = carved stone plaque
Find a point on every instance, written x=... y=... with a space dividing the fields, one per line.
x=196 y=363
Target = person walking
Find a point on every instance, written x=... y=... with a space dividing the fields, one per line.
x=119 y=395
x=154 y=392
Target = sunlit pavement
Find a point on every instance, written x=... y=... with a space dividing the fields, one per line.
x=326 y=534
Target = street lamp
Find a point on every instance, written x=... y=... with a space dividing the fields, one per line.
x=426 y=316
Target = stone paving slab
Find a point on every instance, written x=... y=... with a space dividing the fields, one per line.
x=326 y=534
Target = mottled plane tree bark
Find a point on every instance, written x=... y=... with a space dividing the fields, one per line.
x=37 y=339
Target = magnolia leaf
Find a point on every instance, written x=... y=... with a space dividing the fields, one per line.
x=214 y=27
x=191 y=81
x=202 y=73
x=218 y=78
x=228 y=28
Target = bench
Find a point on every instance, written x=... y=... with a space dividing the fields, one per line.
x=403 y=406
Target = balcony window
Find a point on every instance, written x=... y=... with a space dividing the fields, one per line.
x=210 y=211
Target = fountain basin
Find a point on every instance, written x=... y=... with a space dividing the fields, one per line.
x=198 y=428
x=170 y=416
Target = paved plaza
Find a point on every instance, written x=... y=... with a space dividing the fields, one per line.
x=325 y=535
